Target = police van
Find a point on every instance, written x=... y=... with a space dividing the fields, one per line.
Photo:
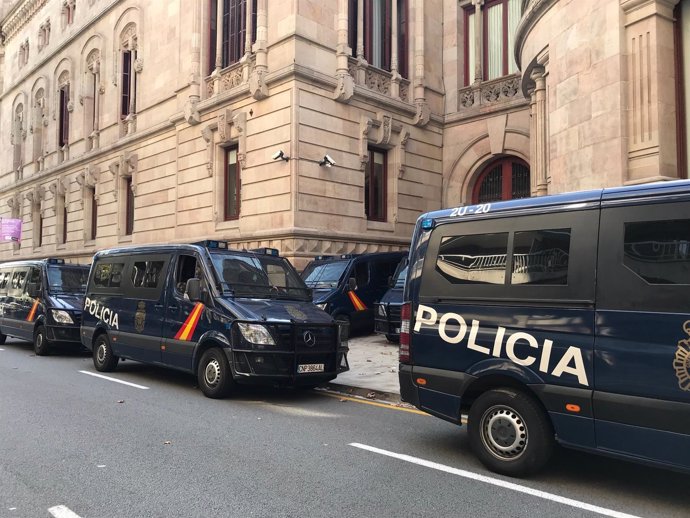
x=349 y=285
x=561 y=319
x=228 y=316
x=41 y=302
x=387 y=319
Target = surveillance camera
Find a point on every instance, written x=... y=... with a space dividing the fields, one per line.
x=277 y=155
x=327 y=161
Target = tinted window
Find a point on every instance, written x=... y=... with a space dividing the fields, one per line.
x=18 y=279
x=381 y=271
x=4 y=278
x=186 y=269
x=147 y=274
x=361 y=274
x=473 y=259
x=541 y=257
x=658 y=251
x=108 y=275
x=325 y=275
x=67 y=279
x=34 y=277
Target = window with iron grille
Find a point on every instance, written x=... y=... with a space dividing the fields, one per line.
x=232 y=29
x=375 y=179
x=63 y=136
x=505 y=179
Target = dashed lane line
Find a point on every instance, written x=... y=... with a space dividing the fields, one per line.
x=497 y=482
x=115 y=380
x=62 y=511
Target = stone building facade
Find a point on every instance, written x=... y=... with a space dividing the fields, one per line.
x=321 y=127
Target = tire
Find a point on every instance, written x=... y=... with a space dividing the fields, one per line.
x=394 y=339
x=41 y=344
x=510 y=433
x=103 y=357
x=213 y=374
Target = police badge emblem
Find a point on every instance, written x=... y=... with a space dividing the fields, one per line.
x=296 y=313
x=140 y=316
x=681 y=362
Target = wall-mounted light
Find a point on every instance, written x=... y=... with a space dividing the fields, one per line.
x=280 y=155
x=327 y=161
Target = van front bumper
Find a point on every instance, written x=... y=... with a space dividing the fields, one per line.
x=63 y=334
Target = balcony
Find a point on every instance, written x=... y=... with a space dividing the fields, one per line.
x=489 y=96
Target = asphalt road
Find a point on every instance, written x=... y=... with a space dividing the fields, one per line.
x=104 y=449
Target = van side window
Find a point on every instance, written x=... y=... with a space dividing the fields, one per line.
x=658 y=251
x=362 y=274
x=108 y=275
x=186 y=269
x=4 y=278
x=381 y=270
x=35 y=277
x=18 y=279
x=147 y=274
x=474 y=259
x=541 y=257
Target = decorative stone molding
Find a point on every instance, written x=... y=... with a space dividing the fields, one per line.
x=36 y=198
x=21 y=15
x=14 y=202
x=88 y=179
x=496 y=92
x=374 y=79
x=229 y=127
x=386 y=133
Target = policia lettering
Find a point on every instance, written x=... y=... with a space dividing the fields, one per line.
x=102 y=313
x=571 y=362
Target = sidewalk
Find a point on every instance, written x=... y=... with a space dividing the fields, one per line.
x=373 y=369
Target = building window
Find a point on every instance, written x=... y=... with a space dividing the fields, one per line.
x=129 y=207
x=499 y=19
x=129 y=85
x=506 y=179
x=377 y=40
x=18 y=137
x=375 y=179
x=94 y=213
x=228 y=18
x=39 y=229
x=64 y=220
x=232 y=185
x=68 y=8
x=63 y=128
x=39 y=119
x=44 y=34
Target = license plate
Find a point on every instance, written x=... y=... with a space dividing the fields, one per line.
x=309 y=367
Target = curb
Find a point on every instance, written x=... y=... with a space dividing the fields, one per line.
x=365 y=393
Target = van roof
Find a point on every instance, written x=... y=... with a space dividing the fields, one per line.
x=37 y=262
x=169 y=248
x=572 y=200
x=346 y=257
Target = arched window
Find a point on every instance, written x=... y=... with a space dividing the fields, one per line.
x=504 y=179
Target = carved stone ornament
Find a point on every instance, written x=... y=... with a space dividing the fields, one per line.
x=423 y=114
x=70 y=106
x=345 y=89
x=138 y=65
x=224 y=121
x=257 y=84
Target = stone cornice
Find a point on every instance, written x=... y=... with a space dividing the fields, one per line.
x=535 y=9
x=19 y=16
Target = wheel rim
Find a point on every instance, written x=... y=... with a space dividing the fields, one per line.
x=504 y=432
x=100 y=353
x=39 y=341
x=212 y=373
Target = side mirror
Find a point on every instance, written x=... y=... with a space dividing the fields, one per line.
x=351 y=284
x=193 y=289
x=390 y=281
x=33 y=290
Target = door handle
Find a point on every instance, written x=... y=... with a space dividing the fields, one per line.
x=173 y=308
x=159 y=306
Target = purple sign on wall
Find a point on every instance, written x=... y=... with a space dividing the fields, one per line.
x=10 y=229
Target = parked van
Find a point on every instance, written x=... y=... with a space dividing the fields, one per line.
x=227 y=316
x=347 y=286
x=41 y=302
x=387 y=320
x=555 y=319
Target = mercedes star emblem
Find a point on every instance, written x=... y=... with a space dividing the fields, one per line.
x=309 y=339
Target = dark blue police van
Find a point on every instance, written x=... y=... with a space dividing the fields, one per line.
x=387 y=319
x=41 y=302
x=228 y=316
x=348 y=286
x=555 y=319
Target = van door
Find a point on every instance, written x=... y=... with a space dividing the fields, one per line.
x=5 y=276
x=142 y=310
x=13 y=310
x=28 y=307
x=642 y=348
x=182 y=316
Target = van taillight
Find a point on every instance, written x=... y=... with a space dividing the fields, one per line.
x=404 y=352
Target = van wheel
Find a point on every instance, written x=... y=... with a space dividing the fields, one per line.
x=103 y=357
x=213 y=374
x=510 y=433
x=394 y=339
x=41 y=344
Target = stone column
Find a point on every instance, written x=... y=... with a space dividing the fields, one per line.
x=257 y=79
x=346 y=85
x=478 y=40
x=395 y=81
x=651 y=99
x=191 y=113
x=423 y=111
x=538 y=136
x=219 y=47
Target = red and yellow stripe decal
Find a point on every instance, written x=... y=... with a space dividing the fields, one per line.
x=32 y=313
x=187 y=330
x=356 y=301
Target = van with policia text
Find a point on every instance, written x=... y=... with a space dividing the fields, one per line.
x=561 y=319
x=348 y=286
x=230 y=317
x=387 y=319
x=41 y=301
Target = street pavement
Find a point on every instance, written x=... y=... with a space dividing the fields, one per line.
x=373 y=369
x=156 y=447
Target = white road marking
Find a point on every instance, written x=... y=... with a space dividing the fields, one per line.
x=497 y=482
x=115 y=380
x=1 y=349
x=62 y=511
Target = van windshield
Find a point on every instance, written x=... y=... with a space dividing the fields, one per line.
x=400 y=277
x=67 y=279
x=258 y=277
x=324 y=275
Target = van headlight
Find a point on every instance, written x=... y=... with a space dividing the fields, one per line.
x=382 y=310
x=322 y=306
x=61 y=317
x=256 y=334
